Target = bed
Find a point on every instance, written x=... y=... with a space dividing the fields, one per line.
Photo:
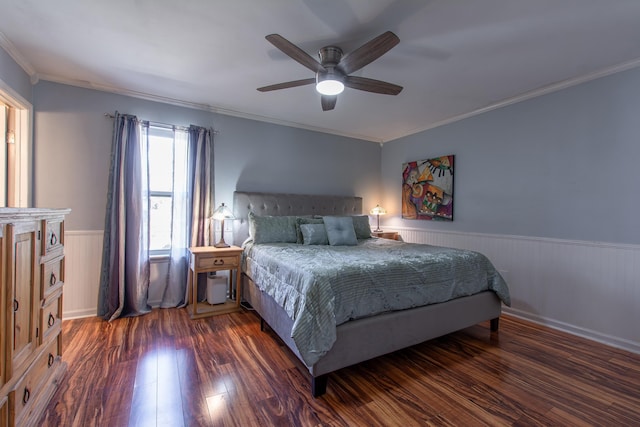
x=335 y=334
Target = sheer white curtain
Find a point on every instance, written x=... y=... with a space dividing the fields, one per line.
x=175 y=280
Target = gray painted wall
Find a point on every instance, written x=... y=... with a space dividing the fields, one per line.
x=14 y=77
x=73 y=141
x=563 y=165
x=559 y=166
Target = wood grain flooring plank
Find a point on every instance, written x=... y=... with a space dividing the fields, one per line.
x=298 y=404
x=166 y=369
x=221 y=411
x=241 y=399
x=192 y=389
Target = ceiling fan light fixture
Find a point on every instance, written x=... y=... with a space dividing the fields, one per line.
x=333 y=71
x=330 y=87
x=329 y=83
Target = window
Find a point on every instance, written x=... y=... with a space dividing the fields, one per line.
x=161 y=170
x=15 y=151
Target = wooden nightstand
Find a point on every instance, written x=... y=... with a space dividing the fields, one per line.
x=393 y=235
x=203 y=259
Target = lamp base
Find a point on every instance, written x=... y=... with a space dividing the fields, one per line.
x=377 y=230
x=221 y=243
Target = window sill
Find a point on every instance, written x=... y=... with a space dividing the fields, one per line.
x=157 y=259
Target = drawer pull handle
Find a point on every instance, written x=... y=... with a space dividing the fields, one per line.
x=16 y=305
x=218 y=262
x=50 y=360
x=52 y=320
x=26 y=395
x=53 y=280
x=54 y=239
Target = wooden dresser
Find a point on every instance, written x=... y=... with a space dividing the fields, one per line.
x=32 y=277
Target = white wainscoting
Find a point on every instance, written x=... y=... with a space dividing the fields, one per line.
x=589 y=289
x=83 y=260
x=586 y=288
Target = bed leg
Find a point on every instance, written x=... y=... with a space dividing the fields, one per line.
x=261 y=324
x=495 y=323
x=319 y=385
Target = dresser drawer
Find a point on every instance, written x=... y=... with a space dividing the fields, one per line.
x=27 y=389
x=51 y=316
x=223 y=262
x=53 y=235
x=52 y=276
x=3 y=412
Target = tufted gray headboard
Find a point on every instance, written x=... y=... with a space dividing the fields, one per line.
x=278 y=204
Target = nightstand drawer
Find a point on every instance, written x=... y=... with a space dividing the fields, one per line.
x=217 y=262
x=392 y=235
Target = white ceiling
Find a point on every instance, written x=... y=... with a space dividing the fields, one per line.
x=455 y=58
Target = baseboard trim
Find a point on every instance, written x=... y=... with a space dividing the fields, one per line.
x=84 y=232
x=574 y=330
x=79 y=314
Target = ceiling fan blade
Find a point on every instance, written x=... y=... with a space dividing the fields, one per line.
x=368 y=52
x=371 y=85
x=285 y=85
x=328 y=102
x=294 y=52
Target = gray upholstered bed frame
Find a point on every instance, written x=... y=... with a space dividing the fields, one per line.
x=362 y=339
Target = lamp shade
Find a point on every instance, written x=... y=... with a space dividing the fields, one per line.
x=378 y=210
x=223 y=212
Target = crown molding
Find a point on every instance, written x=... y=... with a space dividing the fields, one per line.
x=6 y=44
x=544 y=90
x=206 y=107
x=13 y=52
x=554 y=87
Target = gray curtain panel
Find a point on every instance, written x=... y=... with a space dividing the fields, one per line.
x=201 y=161
x=124 y=278
x=192 y=210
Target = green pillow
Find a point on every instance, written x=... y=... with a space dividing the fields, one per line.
x=272 y=229
x=314 y=234
x=304 y=220
x=361 y=226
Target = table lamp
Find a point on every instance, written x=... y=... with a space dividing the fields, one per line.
x=377 y=211
x=220 y=214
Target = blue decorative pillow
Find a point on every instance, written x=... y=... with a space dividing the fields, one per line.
x=314 y=234
x=272 y=229
x=361 y=226
x=340 y=231
x=305 y=220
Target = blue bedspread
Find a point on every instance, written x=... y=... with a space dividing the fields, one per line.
x=321 y=287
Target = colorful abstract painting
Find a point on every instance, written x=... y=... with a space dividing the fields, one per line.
x=427 y=189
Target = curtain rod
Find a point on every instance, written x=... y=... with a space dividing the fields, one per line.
x=175 y=127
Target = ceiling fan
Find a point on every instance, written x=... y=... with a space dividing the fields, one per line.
x=332 y=72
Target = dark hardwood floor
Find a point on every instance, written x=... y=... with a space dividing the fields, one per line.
x=164 y=369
